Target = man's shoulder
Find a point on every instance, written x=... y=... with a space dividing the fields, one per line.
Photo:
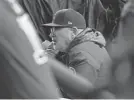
x=81 y=57
x=90 y=47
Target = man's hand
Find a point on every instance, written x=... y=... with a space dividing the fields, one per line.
x=51 y=52
x=46 y=44
x=49 y=48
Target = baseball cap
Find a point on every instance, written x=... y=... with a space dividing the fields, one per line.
x=67 y=18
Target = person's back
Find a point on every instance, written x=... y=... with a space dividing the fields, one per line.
x=20 y=75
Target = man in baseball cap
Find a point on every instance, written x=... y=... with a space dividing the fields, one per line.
x=65 y=19
x=84 y=47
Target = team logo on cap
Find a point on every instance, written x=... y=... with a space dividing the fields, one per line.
x=70 y=22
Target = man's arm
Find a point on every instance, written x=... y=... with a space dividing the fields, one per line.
x=84 y=65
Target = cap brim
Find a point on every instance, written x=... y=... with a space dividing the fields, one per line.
x=54 y=25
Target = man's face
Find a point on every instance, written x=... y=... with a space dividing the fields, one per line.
x=62 y=38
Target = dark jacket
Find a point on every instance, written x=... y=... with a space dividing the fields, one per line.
x=86 y=54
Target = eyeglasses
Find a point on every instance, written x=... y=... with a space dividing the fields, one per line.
x=52 y=34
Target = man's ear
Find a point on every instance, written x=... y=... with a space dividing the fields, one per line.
x=75 y=30
x=73 y=33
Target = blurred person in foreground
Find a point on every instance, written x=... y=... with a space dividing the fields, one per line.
x=121 y=80
x=123 y=67
x=26 y=72
x=84 y=48
x=21 y=77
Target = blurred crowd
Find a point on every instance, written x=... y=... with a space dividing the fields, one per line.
x=71 y=49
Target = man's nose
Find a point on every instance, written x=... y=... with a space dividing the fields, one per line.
x=53 y=37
